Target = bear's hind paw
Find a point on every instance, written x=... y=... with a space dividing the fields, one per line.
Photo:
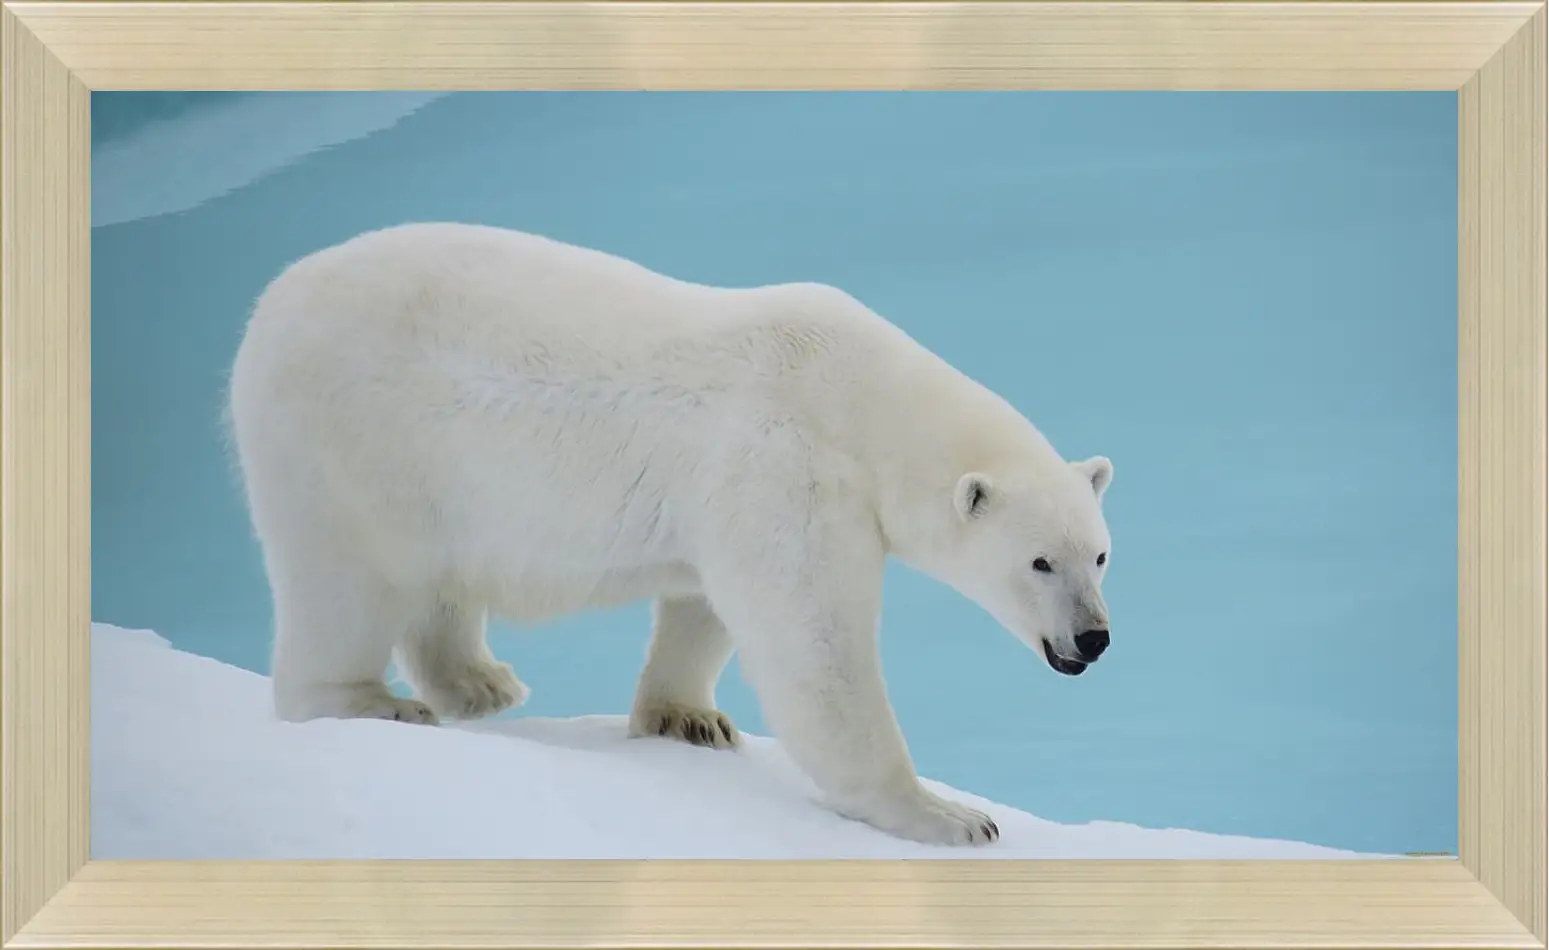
x=476 y=691
x=400 y=710
x=348 y=701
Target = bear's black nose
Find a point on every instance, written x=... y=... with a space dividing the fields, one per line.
x=1091 y=643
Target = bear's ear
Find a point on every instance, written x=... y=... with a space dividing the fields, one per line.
x=1098 y=471
x=973 y=495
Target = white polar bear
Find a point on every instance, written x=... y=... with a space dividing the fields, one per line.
x=439 y=421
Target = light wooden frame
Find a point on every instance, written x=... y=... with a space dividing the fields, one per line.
x=51 y=895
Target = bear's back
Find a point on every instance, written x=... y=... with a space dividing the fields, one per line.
x=478 y=301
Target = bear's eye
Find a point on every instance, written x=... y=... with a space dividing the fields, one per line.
x=1102 y=559
x=1042 y=565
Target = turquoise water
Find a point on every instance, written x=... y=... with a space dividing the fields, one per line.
x=1247 y=301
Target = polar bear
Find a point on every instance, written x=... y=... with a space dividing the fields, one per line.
x=436 y=422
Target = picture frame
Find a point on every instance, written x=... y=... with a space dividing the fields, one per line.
x=53 y=55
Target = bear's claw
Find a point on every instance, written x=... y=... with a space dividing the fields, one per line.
x=702 y=727
x=930 y=819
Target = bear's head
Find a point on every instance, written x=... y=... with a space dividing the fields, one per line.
x=1031 y=549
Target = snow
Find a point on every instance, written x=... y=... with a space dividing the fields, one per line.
x=188 y=763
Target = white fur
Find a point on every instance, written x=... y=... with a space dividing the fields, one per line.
x=439 y=421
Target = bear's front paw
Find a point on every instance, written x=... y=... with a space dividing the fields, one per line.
x=476 y=691
x=706 y=727
x=930 y=819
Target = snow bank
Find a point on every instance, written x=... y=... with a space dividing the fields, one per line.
x=188 y=763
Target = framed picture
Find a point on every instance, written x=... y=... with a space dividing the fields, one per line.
x=952 y=474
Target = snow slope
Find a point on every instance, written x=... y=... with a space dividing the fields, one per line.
x=188 y=763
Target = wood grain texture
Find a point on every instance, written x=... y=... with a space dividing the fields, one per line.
x=1502 y=420
x=1493 y=896
x=1003 y=904
x=831 y=45
x=44 y=495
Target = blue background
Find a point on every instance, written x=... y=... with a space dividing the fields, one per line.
x=1247 y=301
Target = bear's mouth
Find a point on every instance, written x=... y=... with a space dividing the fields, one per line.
x=1060 y=664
